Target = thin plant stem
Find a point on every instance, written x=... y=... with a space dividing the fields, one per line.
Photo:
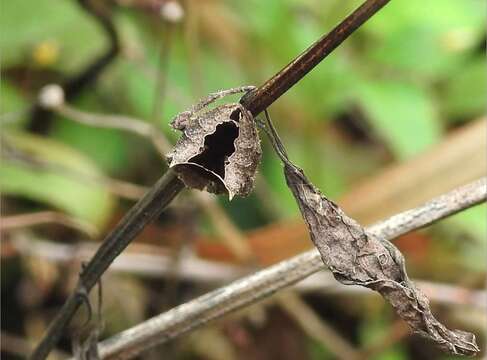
x=117 y=187
x=120 y=122
x=146 y=209
x=46 y=217
x=149 y=261
x=261 y=98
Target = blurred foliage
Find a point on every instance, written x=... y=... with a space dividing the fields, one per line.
x=394 y=90
x=54 y=180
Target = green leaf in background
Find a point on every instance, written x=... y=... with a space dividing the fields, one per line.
x=428 y=38
x=108 y=148
x=402 y=114
x=247 y=213
x=136 y=90
x=278 y=38
x=135 y=80
x=395 y=353
x=317 y=351
x=439 y=14
x=12 y=104
x=316 y=157
x=219 y=73
x=472 y=221
x=61 y=183
x=272 y=170
x=373 y=330
x=464 y=96
x=328 y=88
x=470 y=230
x=24 y=24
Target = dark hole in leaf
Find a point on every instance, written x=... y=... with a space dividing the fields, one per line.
x=235 y=116
x=218 y=147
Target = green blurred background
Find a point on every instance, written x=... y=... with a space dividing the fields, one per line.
x=392 y=118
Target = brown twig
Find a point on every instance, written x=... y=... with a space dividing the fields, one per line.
x=261 y=98
x=144 y=211
x=169 y=185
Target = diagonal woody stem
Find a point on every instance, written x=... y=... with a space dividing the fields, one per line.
x=261 y=98
x=248 y=290
x=169 y=185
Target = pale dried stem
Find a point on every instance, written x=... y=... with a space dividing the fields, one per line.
x=155 y=262
x=117 y=187
x=119 y=122
x=264 y=283
x=404 y=185
x=46 y=217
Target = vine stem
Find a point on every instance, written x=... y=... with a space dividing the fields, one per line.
x=168 y=186
x=260 y=99
x=145 y=210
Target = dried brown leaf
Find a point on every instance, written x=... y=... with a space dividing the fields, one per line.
x=356 y=257
x=359 y=258
x=219 y=150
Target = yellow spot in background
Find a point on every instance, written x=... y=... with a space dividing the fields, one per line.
x=46 y=53
x=457 y=40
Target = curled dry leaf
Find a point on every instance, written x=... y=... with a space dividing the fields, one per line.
x=219 y=150
x=356 y=257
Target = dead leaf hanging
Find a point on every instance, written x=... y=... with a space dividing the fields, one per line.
x=356 y=257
